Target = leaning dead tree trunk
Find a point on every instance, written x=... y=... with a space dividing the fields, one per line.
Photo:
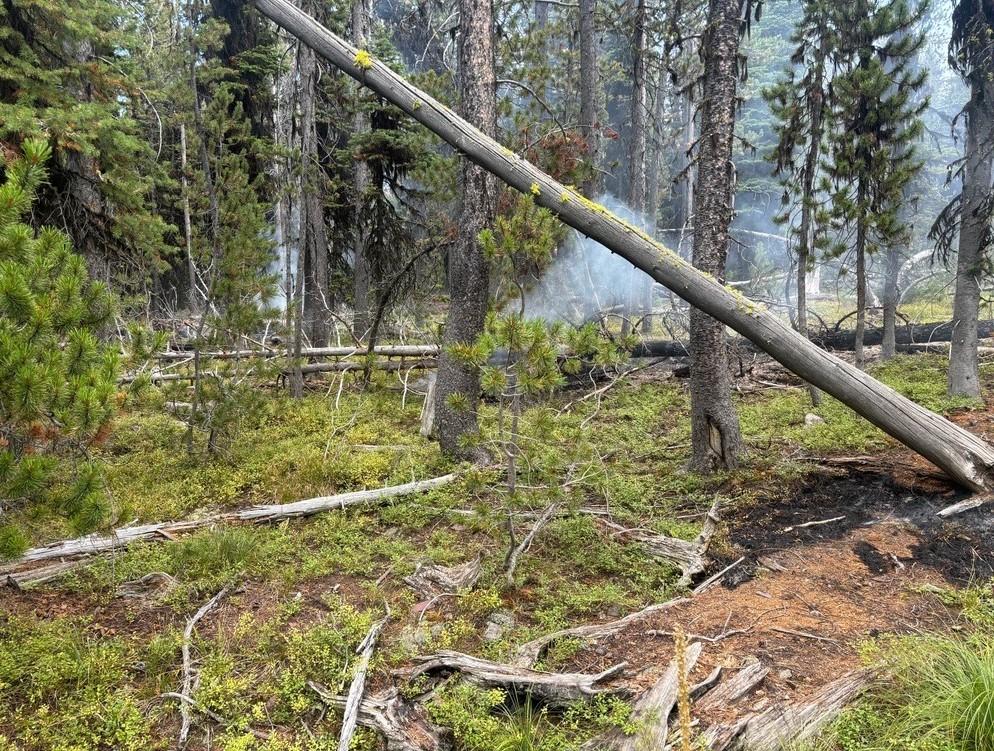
x=963 y=456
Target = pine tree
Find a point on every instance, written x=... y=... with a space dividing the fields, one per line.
x=57 y=381
x=971 y=54
x=798 y=104
x=875 y=121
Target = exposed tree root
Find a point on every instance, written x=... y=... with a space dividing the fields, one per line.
x=433 y=580
x=404 y=726
x=557 y=689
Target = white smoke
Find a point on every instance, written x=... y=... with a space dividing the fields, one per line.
x=585 y=278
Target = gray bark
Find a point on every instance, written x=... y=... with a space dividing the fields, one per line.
x=889 y=301
x=362 y=270
x=860 y=284
x=964 y=378
x=457 y=390
x=964 y=457
x=715 y=436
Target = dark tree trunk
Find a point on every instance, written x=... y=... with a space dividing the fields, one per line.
x=457 y=391
x=588 y=93
x=637 y=147
x=964 y=378
x=362 y=269
x=715 y=434
x=313 y=236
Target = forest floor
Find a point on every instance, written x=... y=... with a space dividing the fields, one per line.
x=831 y=528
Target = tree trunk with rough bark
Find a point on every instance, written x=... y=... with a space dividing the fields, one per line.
x=964 y=378
x=889 y=301
x=860 y=287
x=637 y=147
x=964 y=457
x=313 y=236
x=588 y=92
x=715 y=436
x=362 y=268
x=457 y=389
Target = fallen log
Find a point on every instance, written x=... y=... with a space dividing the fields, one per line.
x=555 y=689
x=404 y=726
x=938 y=331
x=781 y=727
x=963 y=456
x=120 y=538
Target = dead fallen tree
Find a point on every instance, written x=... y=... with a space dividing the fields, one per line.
x=121 y=538
x=963 y=456
x=556 y=689
x=919 y=333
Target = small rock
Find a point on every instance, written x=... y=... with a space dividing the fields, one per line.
x=785 y=674
x=497 y=625
x=811 y=419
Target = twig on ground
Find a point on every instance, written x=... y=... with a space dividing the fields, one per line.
x=187 y=686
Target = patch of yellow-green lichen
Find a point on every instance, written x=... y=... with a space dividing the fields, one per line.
x=416 y=104
x=508 y=152
x=363 y=59
x=536 y=190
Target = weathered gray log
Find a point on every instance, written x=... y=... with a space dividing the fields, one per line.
x=653 y=708
x=556 y=689
x=782 y=726
x=341 y=367
x=384 y=350
x=963 y=456
x=733 y=689
x=125 y=536
x=404 y=726
x=531 y=652
x=357 y=688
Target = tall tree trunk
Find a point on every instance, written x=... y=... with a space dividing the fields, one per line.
x=637 y=144
x=889 y=301
x=653 y=181
x=588 y=94
x=363 y=183
x=860 y=284
x=192 y=295
x=715 y=435
x=816 y=105
x=964 y=377
x=313 y=236
x=457 y=390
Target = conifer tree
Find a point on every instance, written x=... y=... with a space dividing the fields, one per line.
x=57 y=381
x=971 y=54
x=875 y=121
x=798 y=101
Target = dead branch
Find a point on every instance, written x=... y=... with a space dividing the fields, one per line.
x=404 y=726
x=705 y=585
x=516 y=552
x=187 y=686
x=358 y=686
x=121 y=538
x=557 y=689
